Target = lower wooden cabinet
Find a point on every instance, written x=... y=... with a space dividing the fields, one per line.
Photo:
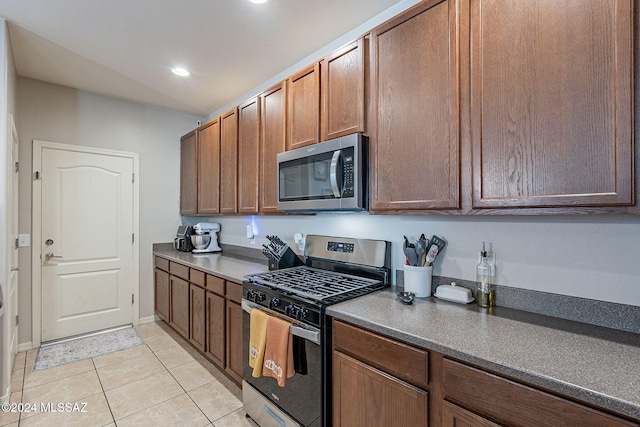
x=216 y=328
x=179 y=305
x=198 y=319
x=204 y=309
x=364 y=396
x=454 y=416
x=161 y=284
x=234 y=331
x=373 y=384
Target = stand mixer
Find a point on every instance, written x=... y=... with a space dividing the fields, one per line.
x=205 y=237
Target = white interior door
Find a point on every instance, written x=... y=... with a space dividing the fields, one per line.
x=86 y=241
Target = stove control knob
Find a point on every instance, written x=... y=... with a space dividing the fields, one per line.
x=302 y=313
x=261 y=296
x=275 y=302
x=289 y=310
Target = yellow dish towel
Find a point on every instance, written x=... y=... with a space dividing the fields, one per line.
x=257 y=340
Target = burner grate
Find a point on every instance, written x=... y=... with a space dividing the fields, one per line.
x=312 y=283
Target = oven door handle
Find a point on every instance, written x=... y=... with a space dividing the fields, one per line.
x=307 y=334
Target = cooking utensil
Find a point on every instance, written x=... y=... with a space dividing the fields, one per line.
x=421 y=250
x=410 y=253
x=431 y=255
x=436 y=245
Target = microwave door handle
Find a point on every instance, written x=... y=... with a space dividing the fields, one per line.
x=333 y=174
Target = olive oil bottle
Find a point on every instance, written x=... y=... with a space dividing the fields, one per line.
x=485 y=293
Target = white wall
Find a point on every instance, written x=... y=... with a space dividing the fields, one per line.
x=59 y=114
x=7 y=106
x=595 y=257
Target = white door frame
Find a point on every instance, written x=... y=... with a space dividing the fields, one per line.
x=36 y=231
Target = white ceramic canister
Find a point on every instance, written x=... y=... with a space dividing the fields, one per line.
x=418 y=280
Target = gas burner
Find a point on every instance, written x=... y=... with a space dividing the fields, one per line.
x=312 y=283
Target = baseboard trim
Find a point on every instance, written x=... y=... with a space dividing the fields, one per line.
x=148 y=319
x=7 y=395
x=25 y=346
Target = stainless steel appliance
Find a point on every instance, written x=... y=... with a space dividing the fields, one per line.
x=337 y=269
x=328 y=176
x=205 y=237
x=182 y=242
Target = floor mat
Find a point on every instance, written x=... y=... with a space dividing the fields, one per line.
x=62 y=353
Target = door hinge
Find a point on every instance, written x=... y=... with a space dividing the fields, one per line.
x=17 y=320
x=38 y=175
x=133 y=238
x=17 y=243
x=17 y=167
x=132 y=298
x=133 y=178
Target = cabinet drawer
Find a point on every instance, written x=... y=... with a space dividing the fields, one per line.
x=509 y=403
x=179 y=270
x=162 y=263
x=215 y=284
x=395 y=358
x=197 y=277
x=234 y=292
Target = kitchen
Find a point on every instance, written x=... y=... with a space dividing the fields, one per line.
x=554 y=254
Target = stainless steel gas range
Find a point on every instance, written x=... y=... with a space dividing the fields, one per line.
x=336 y=269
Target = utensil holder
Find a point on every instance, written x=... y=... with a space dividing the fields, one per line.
x=418 y=280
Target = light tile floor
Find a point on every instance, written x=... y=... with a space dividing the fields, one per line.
x=165 y=382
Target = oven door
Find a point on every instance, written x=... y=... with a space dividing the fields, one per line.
x=299 y=402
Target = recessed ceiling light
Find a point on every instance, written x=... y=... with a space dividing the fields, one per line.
x=258 y=1
x=180 y=71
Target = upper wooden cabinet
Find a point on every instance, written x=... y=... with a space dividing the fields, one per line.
x=273 y=138
x=189 y=174
x=551 y=103
x=248 y=156
x=343 y=91
x=229 y=162
x=304 y=107
x=209 y=168
x=415 y=119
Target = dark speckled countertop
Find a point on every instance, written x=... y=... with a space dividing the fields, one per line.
x=594 y=364
x=232 y=268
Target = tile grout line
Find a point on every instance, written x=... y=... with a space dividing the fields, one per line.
x=104 y=393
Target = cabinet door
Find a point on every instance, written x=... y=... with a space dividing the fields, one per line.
x=234 y=340
x=216 y=328
x=304 y=107
x=551 y=103
x=364 y=396
x=197 y=329
x=179 y=306
x=209 y=168
x=454 y=416
x=229 y=162
x=343 y=91
x=162 y=294
x=189 y=174
x=248 y=156
x=415 y=126
x=273 y=138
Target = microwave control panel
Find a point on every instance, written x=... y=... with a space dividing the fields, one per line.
x=348 y=169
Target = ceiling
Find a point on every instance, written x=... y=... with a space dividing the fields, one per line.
x=126 y=49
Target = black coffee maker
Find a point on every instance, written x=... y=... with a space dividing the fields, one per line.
x=182 y=242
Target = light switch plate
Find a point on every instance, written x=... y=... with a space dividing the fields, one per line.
x=24 y=240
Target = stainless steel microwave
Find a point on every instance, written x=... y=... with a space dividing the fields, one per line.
x=328 y=176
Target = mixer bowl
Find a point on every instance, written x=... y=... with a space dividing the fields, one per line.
x=200 y=241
